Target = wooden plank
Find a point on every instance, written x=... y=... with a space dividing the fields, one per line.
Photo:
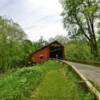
x=88 y=83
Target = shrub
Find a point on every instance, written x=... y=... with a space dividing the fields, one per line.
x=20 y=84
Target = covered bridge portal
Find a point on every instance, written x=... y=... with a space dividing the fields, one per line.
x=53 y=50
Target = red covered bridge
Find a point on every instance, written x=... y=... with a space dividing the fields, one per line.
x=53 y=50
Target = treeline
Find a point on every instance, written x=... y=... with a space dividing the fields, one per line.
x=15 y=48
x=80 y=51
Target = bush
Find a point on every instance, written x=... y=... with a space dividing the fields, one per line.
x=77 y=51
x=19 y=85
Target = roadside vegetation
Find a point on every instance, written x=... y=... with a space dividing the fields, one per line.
x=80 y=51
x=43 y=82
x=15 y=48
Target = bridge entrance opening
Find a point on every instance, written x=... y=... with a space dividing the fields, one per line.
x=56 y=52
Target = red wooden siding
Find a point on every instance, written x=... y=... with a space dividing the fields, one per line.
x=41 y=55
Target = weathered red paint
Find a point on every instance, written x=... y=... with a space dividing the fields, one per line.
x=36 y=57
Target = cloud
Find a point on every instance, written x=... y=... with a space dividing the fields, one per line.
x=37 y=17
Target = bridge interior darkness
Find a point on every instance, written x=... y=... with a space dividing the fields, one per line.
x=56 y=52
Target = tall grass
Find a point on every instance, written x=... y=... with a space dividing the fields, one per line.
x=19 y=85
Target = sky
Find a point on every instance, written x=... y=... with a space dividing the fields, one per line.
x=36 y=17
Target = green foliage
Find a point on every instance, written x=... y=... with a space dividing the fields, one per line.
x=81 y=15
x=11 y=37
x=20 y=84
x=52 y=79
x=78 y=50
x=15 y=49
x=62 y=39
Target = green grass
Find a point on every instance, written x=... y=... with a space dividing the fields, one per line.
x=48 y=81
x=60 y=84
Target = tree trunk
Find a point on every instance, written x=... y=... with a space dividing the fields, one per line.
x=94 y=48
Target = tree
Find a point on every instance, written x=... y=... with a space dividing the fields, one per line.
x=62 y=39
x=42 y=42
x=82 y=15
x=11 y=44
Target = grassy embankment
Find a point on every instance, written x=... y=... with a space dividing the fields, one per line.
x=48 y=81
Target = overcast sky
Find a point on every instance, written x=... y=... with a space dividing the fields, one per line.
x=37 y=17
